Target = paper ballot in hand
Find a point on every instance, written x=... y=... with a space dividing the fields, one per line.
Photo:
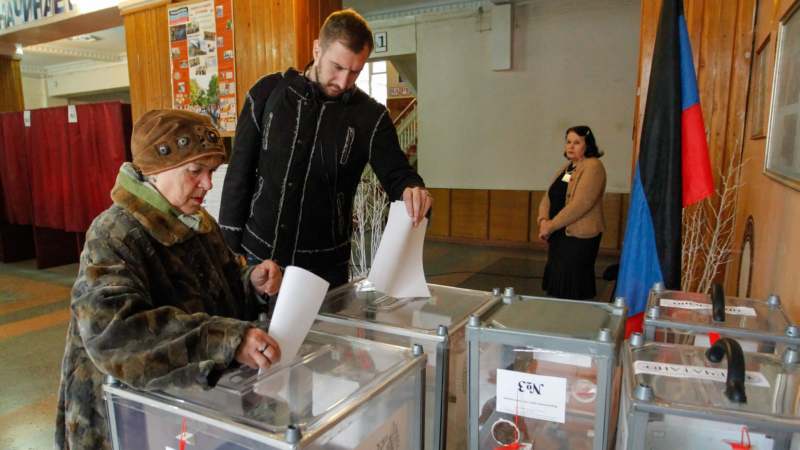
x=397 y=267
x=299 y=300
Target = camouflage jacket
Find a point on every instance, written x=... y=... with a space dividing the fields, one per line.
x=157 y=303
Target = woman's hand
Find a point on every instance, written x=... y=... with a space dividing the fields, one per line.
x=266 y=278
x=545 y=229
x=258 y=350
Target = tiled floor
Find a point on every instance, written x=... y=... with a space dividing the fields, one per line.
x=34 y=311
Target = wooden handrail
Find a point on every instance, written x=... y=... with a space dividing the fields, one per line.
x=405 y=111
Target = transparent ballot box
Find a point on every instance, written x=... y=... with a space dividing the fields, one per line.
x=720 y=398
x=544 y=374
x=698 y=319
x=340 y=393
x=436 y=323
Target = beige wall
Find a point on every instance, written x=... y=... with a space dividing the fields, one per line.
x=88 y=79
x=397 y=88
x=574 y=62
x=82 y=80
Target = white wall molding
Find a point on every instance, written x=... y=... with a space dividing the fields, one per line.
x=86 y=66
x=33 y=71
x=412 y=11
x=98 y=55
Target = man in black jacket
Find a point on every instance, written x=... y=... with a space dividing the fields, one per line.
x=302 y=142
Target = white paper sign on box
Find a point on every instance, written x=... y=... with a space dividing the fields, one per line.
x=688 y=304
x=534 y=396
x=695 y=372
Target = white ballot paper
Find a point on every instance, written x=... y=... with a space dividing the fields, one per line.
x=299 y=300
x=397 y=267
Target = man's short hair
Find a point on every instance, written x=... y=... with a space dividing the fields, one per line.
x=347 y=27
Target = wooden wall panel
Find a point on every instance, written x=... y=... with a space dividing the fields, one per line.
x=146 y=38
x=626 y=203
x=277 y=35
x=440 y=217
x=11 y=98
x=270 y=36
x=315 y=11
x=469 y=213
x=775 y=207
x=506 y=217
x=264 y=33
x=533 y=234
x=612 y=210
x=509 y=215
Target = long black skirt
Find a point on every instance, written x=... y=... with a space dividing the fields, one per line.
x=569 y=272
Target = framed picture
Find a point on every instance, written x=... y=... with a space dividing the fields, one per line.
x=782 y=160
x=758 y=99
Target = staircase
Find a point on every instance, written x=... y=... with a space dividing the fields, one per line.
x=406 y=125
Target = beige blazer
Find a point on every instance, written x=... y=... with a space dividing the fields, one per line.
x=582 y=214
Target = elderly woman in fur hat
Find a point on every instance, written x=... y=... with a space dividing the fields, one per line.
x=160 y=300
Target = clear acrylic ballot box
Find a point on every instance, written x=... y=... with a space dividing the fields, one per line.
x=544 y=374
x=698 y=319
x=339 y=393
x=436 y=323
x=721 y=398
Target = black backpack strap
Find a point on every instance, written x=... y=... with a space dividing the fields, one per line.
x=274 y=97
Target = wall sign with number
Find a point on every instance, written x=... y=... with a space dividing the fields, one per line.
x=381 y=42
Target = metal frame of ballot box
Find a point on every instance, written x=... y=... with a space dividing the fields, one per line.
x=781 y=331
x=603 y=349
x=294 y=436
x=639 y=401
x=439 y=338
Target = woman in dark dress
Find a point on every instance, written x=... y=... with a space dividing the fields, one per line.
x=571 y=218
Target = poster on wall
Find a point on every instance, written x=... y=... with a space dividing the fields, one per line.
x=202 y=60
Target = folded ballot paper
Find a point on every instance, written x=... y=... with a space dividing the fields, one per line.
x=299 y=300
x=298 y=303
x=397 y=267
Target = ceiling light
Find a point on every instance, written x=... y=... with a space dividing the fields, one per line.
x=18 y=49
x=85 y=38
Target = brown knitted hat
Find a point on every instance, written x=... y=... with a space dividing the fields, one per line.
x=165 y=139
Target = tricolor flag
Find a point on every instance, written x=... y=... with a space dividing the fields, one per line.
x=673 y=169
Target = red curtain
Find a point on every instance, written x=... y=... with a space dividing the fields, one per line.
x=74 y=165
x=15 y=169
x=98 y=145
x=49 y=163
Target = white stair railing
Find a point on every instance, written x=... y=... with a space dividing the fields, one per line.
x=406 y=125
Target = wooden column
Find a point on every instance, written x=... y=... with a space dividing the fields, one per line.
x=10 y=85
x=269 y=36
x=16 y=241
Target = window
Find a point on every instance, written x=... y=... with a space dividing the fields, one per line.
x=373 y=80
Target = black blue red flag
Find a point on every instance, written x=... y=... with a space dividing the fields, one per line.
x=672 y=171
